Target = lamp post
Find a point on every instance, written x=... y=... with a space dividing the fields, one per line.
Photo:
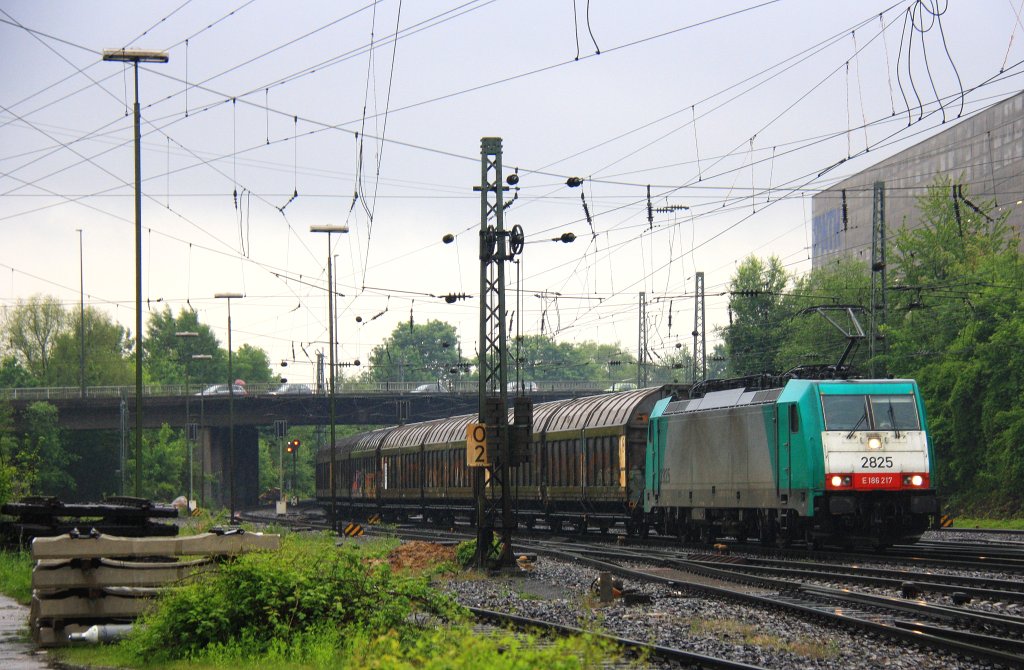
x=231 y=409
x=81 y=312
x=136 y=56
x=202 y=459
x=186 y=335
x=330 y=345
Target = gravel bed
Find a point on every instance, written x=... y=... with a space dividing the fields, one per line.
x=561 y=592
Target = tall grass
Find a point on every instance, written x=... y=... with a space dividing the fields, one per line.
x=16 y=575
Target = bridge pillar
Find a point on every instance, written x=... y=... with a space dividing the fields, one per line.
x=214 y=449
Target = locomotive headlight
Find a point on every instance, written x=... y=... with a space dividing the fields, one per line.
x=874 y=443
x=837 y=481
x=917 y=480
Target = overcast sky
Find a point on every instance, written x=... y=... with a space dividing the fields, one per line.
x=734 y=109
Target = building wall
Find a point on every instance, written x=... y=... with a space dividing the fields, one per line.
x=984 y=152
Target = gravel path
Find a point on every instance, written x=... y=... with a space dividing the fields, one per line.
x=561 y=592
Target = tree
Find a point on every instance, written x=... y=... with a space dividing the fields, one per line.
x=718 y=362
x=14 y=375
x=251 y=364
x=164 y=464
x=8 y=448
x=676 y=367
x=809 y=338
x=108 y=351
x=755 y=333
x=31 y=328
x=955 y=324
x=40 y=460
x=427 y=352
x=543 y=359
x=169 y=356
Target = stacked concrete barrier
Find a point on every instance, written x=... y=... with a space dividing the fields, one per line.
x=84 y=580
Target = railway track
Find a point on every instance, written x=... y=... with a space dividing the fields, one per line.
x=945 y=629
x=635 y=648
x=793 y=586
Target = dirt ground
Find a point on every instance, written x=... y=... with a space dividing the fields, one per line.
x=417 y=555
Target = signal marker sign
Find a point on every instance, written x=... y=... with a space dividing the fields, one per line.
x=353 y=530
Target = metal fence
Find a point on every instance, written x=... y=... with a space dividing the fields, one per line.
x=260 y=389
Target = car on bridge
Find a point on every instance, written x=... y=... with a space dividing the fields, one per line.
x=526 y=387
x=436 y=387
x=292 y=389
x=222 y=389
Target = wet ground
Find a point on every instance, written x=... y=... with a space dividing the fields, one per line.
x=16 y=650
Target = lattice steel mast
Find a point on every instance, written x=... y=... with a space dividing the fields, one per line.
x=700 y=361
x=879 y=302
x=491 y=483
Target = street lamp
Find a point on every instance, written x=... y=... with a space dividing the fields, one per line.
x=136 y=56
x=330 y=344
x=202 y=459
x=81 y=312
x=188 y=334
x=231 y=409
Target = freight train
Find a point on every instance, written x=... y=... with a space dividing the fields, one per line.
x=845 y=462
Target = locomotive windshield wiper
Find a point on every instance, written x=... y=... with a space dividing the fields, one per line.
x=892 y=417
x=862 y=419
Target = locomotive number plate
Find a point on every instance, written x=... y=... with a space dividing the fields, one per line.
x=867 y=480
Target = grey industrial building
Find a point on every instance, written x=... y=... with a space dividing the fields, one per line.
x=984 y=152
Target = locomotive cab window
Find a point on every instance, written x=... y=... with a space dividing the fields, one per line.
x=895 y=412
x=876 y=412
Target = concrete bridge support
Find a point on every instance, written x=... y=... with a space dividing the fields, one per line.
x=214 y=459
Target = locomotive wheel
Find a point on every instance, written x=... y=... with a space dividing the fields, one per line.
x=603 y=526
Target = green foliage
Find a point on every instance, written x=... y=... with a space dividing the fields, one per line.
x=14 y=375
x=417 y=352
x=677 y=367
x=809 y=339
x=169 y=356
x=30 y=329
x=465 y=553
x=16 y=575
x=541 y=358
x=261 y=602
x=755 y=335
x=8 y=450
x=164 y=465
x=956 y=321
x=41 y=462
x=251 y=364
x=108 y=348
x=459 y=649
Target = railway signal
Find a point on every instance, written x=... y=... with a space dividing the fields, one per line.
x=293 y=446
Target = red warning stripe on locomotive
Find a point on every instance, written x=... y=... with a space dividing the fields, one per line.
x=876 y=480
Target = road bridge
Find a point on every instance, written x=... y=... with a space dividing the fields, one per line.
x=110 y=408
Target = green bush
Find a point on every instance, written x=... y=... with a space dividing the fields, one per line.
x=266 y=601
x=465 y=553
